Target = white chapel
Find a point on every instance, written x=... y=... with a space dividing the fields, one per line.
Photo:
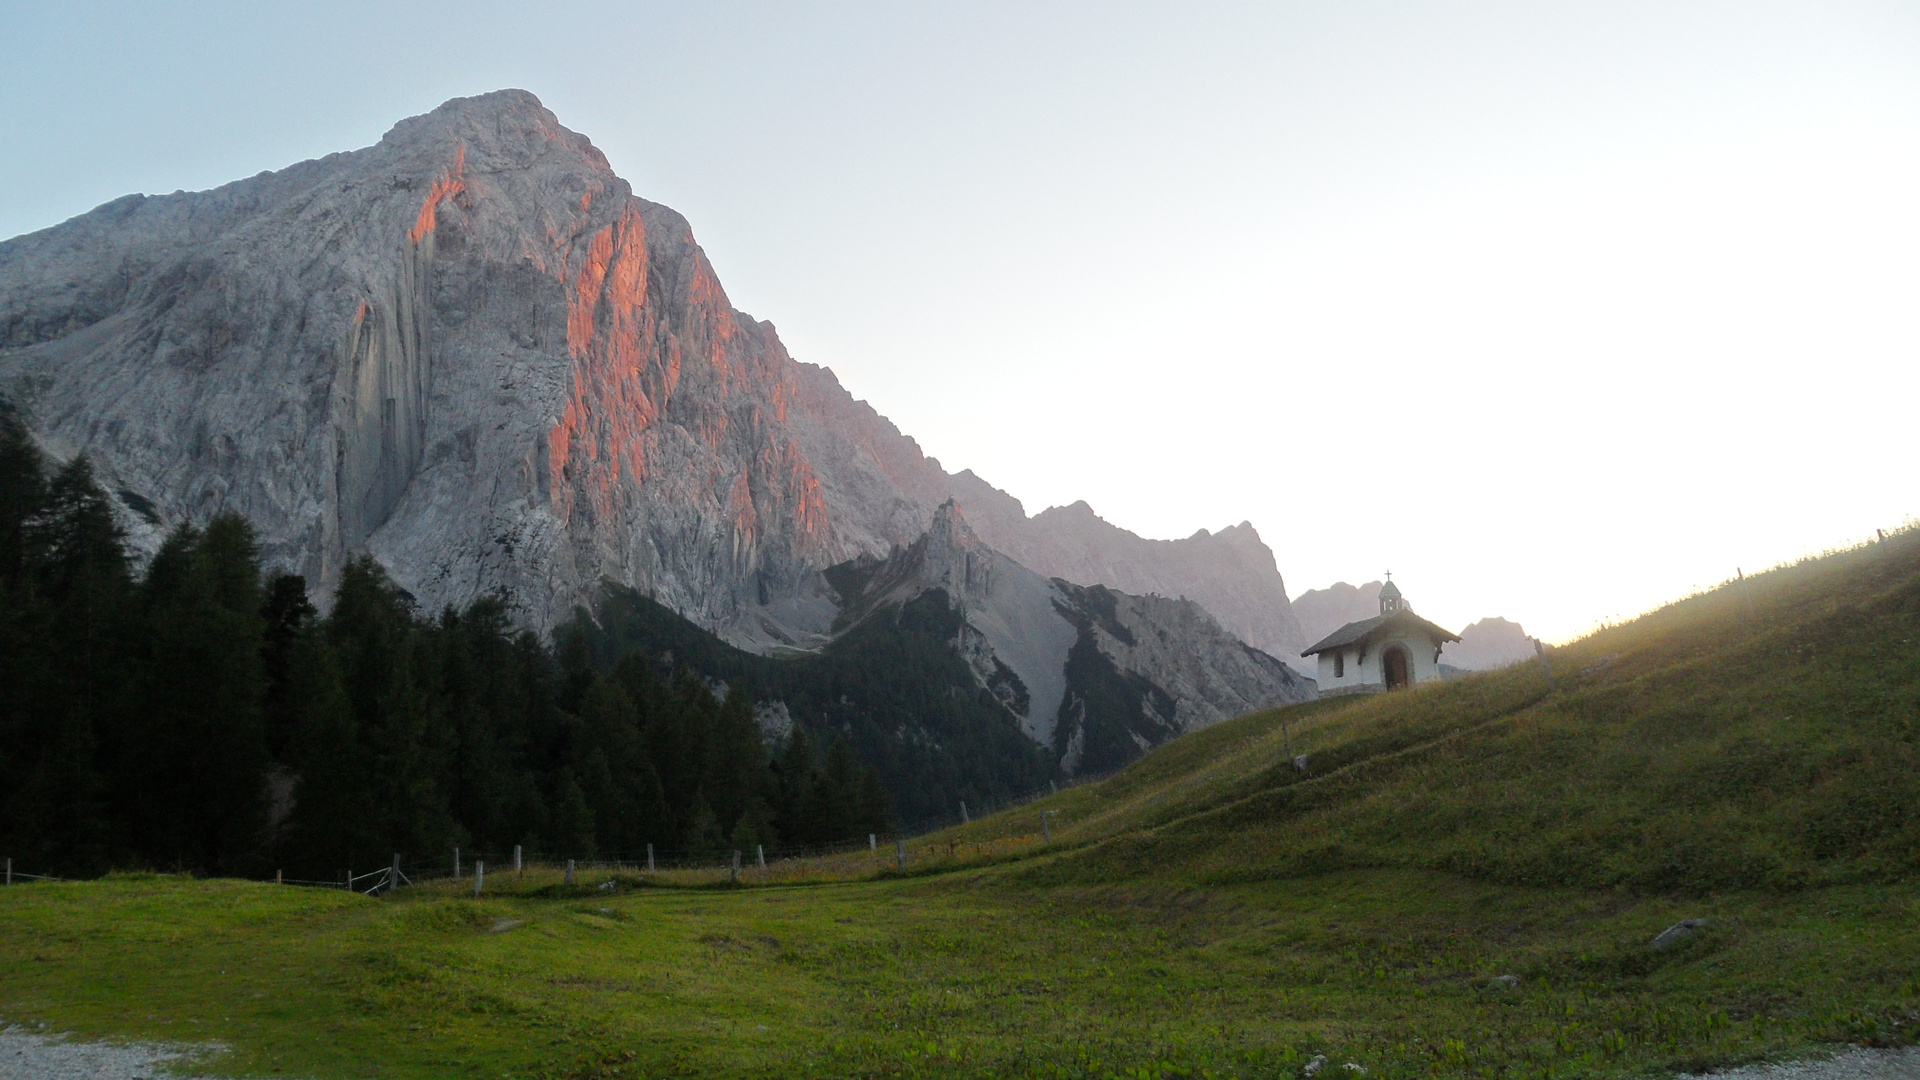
x=1397 y=650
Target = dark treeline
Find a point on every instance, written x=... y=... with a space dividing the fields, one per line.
x=205 y=717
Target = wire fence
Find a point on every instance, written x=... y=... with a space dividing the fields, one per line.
x=10 y=875
x=878 y=849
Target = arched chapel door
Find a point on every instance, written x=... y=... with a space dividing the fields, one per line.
x=1394 y=661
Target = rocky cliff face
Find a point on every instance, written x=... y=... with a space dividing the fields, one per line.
x=469 y=349
x=1098 y=675
x=472 y=351
x=1231 y=573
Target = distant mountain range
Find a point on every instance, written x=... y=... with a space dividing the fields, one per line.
x=1484 y=645
x=473 y=352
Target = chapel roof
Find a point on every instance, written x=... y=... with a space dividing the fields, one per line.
x=1366 y=629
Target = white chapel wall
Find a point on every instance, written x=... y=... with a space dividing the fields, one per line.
x=1368 y=673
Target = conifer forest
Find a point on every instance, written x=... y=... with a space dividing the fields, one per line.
x=198 y=714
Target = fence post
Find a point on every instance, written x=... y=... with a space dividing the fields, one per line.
x=569 y=871
x=479 y=875
x=649 y=858
x=9 y=869
x=736 y=867
x=1540 y=652
x=516 y=858
x=1052 y=789
x=761 y=851
x=393 y=879
x=278 y=876
x=1046 y=824
x=348 y=883
x=900 y=852
x=456 y=864
x=873 y=842
x=964 y=819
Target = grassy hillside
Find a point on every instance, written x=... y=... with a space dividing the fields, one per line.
x=1765 y=735
x=1745 y=756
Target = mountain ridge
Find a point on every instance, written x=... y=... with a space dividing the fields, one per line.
x=474 y=352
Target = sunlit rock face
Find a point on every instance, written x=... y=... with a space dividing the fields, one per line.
x=469 y=349
x=472 y=351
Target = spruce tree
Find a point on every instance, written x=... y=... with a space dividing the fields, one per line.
x=374 y=635
x=736 y=762
x=23 y=492
x=76 y=586
x=286 y=615
x=198 y=747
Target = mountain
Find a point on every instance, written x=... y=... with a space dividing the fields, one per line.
x=951 y=664
x=1097 y=674
x=1322 y=611
x=1488 y=644
x=468 y=349
x=1231 y=573
x=472 y=351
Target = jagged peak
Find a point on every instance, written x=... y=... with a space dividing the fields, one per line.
x=508 y=106
x=949 y=527
x=510 y=116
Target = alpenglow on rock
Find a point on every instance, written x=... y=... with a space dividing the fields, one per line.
x=469 y=350
x=472 y=351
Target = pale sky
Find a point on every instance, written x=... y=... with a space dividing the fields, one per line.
x=1556 y=310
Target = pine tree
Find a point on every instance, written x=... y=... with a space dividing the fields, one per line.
x=612 y=765
x=331 y=828
x=286 y=615
x=375 y=637
x=704 y=837
x=485 y=699
x=23 y=493
x=736 y=761
x=76 y=587
x=197 y=752
x=873 y=807
x=795 y=778
x=573 y=827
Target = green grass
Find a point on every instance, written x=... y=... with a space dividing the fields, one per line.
x=1747 y=755
x=960 y=976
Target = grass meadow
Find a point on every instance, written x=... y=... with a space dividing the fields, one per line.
x=1746 y=756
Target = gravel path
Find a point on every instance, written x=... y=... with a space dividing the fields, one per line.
x=1899 y=1064
x=26 y=1056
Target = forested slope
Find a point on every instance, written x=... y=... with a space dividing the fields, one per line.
x=202 y=716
